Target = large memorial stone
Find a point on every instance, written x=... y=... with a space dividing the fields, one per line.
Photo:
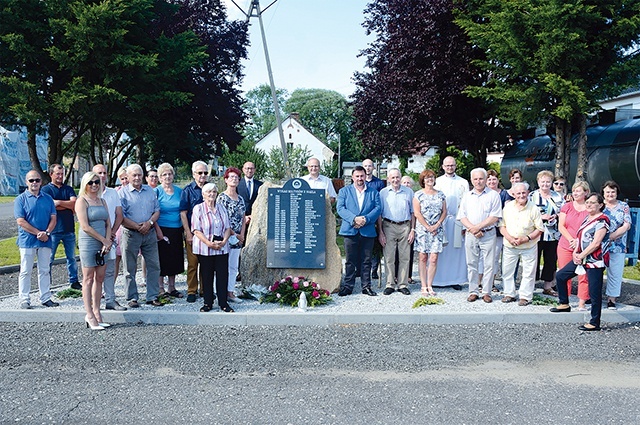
x=253 y=265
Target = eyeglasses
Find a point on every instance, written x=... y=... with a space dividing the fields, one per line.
x=93 y=182
x=34 y=180
x=201 y=173
x=558 y=183
x=155 y=176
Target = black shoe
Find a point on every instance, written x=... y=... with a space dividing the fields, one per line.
x=191 y=298
x=588 y=301
x=369 y=291
x=457 y=288
x=344 y=292
x=589 y=328
x=76 y=285
x=205 y=308
x=405 y=291
x=49 y=303
x=388 y=291
x=115 y=306
x=374 y=275
x=154 y=303
x=133 y=304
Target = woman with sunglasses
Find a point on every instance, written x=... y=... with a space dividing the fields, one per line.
x=94 y=242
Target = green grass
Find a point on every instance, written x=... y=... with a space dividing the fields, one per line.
x=6 y=199
x=631 y=272
x=9 y=254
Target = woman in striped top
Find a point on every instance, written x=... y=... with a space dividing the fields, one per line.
x=210 y=226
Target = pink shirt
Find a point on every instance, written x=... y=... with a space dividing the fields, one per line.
x=572 y=223
x=210 y=223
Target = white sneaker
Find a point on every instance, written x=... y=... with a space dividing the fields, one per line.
x=25 y=305
x=234 y=299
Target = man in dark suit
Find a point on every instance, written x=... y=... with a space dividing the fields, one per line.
x=359 y=208
x=248 y=188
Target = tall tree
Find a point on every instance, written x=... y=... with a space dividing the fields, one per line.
x=413 y=96
x=554 y=58
x=259 y=109
x=124 y=66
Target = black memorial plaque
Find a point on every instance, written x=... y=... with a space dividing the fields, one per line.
x=296 y=231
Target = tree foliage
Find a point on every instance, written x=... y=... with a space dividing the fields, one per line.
x=261 y=116
x=153 y=69
x=413 y=96
x=552 y=58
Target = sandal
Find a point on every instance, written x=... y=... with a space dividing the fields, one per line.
x=432 y=292
x=424 y=292
x=227 y=309
x=175 y=293
x=205 y=308
x=550 y=292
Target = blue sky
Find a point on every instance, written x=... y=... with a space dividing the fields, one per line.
x=312 y=43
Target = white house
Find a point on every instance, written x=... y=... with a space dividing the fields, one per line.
x=296 y=135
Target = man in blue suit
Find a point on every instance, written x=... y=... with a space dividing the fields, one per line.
x=359 y=208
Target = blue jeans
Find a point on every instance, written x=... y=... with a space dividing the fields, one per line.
x=69 y=242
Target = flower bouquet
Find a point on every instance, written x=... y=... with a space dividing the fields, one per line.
x=287 y=291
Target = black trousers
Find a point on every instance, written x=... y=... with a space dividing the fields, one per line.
x=218 y=266
x=358 y=257
x=548 y=250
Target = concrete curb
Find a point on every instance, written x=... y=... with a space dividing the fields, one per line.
x=16 y=267
x=626 y=315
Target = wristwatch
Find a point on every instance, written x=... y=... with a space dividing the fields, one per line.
x=47 y=233
x=151 y=222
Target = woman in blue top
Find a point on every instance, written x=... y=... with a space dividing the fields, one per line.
x=620 y=223
x=170 y=248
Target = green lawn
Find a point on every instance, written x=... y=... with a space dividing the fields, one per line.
x=6 y=199
x=9 y=254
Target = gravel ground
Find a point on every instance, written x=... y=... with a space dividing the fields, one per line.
x=356 y=303
x=349 y=374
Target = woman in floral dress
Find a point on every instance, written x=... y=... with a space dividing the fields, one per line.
x=430 y=209
x=620 y=217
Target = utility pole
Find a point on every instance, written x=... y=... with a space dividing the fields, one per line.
x=255 y=12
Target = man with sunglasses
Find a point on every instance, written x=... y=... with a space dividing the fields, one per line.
x=64 y=198
x=35 y=213
x=190 y=197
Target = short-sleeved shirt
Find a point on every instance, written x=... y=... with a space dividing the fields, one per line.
x=521 y=222
x=169 y=207
x=618 y=215
x=138 y=205
x=375 y=183
x=37 y=211
x=110 y=196
x=397 y=205
x=572 y=221
x=190 y=197
x=598 y=259
x=210 y=223
x=321 y=182
x=477 y=207
x=64 y=223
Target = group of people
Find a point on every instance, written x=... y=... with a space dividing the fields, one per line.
x=153 y=220
x=462 y=235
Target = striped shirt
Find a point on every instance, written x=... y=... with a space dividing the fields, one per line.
x=210 y=223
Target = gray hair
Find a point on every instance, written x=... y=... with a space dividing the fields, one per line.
x=132 y=167
x=479 y=170
x=209 y=187
x=523 y=184
x=196 y=164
